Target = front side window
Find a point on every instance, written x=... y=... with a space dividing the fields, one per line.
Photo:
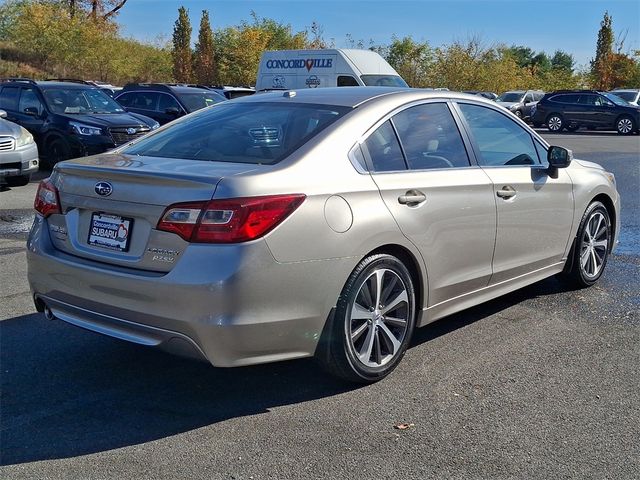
x=259 y=133
x=500 y=141
x=80 y=101
x=430 y=138
x=29 y=99
x=384 y=149
x=347 y=81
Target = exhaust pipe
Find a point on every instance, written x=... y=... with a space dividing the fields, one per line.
x=49 y=314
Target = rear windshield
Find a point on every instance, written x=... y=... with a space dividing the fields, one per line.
x=260 y=133
x=514 y=97
x=383 y=81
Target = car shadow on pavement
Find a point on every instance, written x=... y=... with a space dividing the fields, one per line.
x=68 y=392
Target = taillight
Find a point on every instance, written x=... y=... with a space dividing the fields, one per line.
x=230 y=220
x=47 y=201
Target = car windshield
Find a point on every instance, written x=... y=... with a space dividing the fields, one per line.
x=627 y=96
x=616 y=99
x=197 y=100
x=514 y=97
x=260 y=133
x=80 y=101
x=383 y=81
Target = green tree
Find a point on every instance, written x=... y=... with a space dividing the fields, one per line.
x=203 y=59
x=182 y=47
x=562 y=60
x=411 y=59
x=602 y=65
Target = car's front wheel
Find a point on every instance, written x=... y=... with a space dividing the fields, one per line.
x=591 y=247
x=373 y=321
x=555 y=123
x=625 y=126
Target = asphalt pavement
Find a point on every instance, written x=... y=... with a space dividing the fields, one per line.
x=541 y=383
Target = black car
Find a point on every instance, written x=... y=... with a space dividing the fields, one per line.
x=572 y=109
x=165 y=102
x=70 y=119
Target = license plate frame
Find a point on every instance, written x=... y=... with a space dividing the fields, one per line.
x=110 y=231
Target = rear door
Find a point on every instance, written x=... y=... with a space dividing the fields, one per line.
x=535 y=208
x=442 y=203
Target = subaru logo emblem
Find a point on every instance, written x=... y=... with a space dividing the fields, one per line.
x=131 y=131
x=103 y=189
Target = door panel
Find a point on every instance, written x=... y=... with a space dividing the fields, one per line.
x=454 y=227
x=534 y=223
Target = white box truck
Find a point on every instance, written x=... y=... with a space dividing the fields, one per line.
x=297 y=69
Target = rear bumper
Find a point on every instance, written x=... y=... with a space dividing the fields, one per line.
x=231 y=305
x=22 y=161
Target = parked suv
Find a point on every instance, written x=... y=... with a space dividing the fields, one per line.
x=572 y=109
x=165 y=102
x=70 y=119
x=630 y=95
x=520 y=102
x=18 y=153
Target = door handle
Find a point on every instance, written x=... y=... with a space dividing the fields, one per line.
x=412 y=198
x=506 y=192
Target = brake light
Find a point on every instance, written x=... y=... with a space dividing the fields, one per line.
x=47 y=201
x=228 y=221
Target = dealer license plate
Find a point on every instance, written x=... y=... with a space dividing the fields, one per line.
x=110 y=231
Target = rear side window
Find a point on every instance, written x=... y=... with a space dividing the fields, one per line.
x=144 y=100
x=501 y=142
x=564 y=98
x=430 y=138
x=384 y=149
x=167 y=101
x=9 y=98
x=259 y=133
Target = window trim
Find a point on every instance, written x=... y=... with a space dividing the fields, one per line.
x=36 y=91
x=157 y=101
x=476 y=148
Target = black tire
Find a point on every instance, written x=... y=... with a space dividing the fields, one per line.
x=18 y=181
x=577 y=272
x=536 y=124
x=625 y=125
x=58 y=150
x=356 y=347
x=572 y=127
x=555 y=122
x=518 y=113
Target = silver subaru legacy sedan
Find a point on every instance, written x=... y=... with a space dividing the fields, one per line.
x=326 y=222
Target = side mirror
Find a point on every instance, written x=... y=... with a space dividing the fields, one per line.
x=559 y=157
x=3 y=114
x=173 y=111
x=32 y=111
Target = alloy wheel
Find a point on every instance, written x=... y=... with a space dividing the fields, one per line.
x=554 y=123
x=379 y=318
x=594 y=245
x=625 y=126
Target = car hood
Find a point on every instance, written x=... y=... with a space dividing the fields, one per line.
x=110 y=120
x=10 y=129
x=586 y=164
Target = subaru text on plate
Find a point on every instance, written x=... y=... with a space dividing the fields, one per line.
x=327 y=223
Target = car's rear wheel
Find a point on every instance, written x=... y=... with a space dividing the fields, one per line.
x=555 y=123
x=591 y=247
x=625 y=125
x=18 y=181
x=373 y=322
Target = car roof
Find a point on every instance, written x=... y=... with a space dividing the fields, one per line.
x=48 y=84
x=636 y=90
x=351 y=96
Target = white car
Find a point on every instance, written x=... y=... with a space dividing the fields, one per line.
x=18 y=153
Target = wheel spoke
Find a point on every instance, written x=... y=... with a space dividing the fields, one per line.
x=376 y=348
x=388 y=288
x=367 y=346
x=600 y=244
x=601 y=232
x=396 y=322
x=365 y=290
x=379 y=279
x=393 y=304
x=594 y=263
x=359 y=312
x=595 y=230
x=357 y=333
x=390 y=339
x=584 y=257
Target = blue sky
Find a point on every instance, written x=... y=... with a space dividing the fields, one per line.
x=570 y=25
